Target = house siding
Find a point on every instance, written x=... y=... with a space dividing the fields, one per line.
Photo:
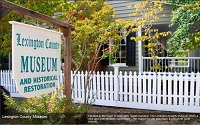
x=195 y=52
x=123 y=12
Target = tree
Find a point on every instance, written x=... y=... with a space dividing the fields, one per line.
x=94 y=27
x=185 y=16
x=145 y=14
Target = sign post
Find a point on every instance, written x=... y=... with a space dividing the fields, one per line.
x=67 y=66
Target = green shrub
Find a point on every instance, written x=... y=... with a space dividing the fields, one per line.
x=52 y=105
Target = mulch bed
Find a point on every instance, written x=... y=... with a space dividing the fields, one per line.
x=106 y=109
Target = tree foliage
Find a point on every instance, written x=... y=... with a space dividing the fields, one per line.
x=145 y=15
x=47 y=7
x=95 y=26
x=186 y=17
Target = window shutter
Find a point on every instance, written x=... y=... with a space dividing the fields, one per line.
x=131 y=50
x=104 y=62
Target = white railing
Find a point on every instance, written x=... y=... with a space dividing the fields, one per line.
x=171 y=64
x=177 y=92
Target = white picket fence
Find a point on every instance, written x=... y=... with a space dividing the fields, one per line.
x=167 y=92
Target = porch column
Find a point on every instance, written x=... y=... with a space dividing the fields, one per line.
x=116 y=69
x=116 y=81
x=140 y=61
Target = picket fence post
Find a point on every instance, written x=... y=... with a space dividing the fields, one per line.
x=116 y=86
x=192 y=89
x=197 y=89
x=111 y=86
x=169 y=89
x=98 y=85
x=130 y=87
x=180 y=79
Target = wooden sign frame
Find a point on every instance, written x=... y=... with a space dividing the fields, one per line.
x=7 y=7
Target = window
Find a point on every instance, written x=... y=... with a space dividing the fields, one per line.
x=120 y=55
x=125 y=56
